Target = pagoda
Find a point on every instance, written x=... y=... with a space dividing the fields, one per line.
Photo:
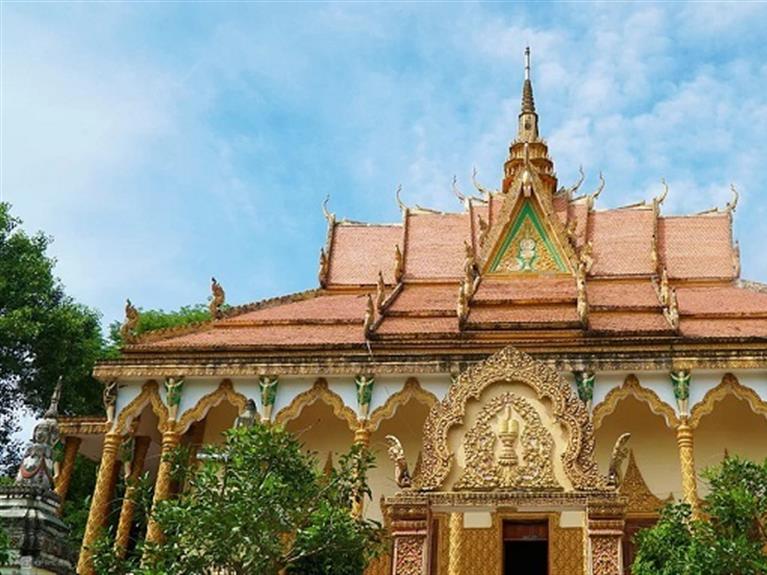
x=502 y=354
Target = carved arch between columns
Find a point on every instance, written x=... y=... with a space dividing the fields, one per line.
x=150 y=395
x=632 y=388
x=318 y=391
x=728 y=386
x=411 y=390
x=512 y=366
x=224 y=391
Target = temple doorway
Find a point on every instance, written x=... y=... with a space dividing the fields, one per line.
x=525 y=548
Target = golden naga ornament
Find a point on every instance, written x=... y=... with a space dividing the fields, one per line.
x=128 y=328
x=217 y=300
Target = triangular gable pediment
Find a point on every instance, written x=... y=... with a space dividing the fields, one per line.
x=528 y=245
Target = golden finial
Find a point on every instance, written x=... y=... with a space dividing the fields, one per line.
x=462 y=307
x=732 y=204
x=600 y=187
x=399 y=264
x=484 y=227
x=576 y=186
x=671 y=312
x=324 y=267
x=217 y=299
x=380 y=292
x=585 y=257
x=582 y=304
x=128 y=329
x=658 y=200
x=370 y=315
x=402 y=207
x=481 y=189
x=329 y=216
x=663 y=290
x=456 y=191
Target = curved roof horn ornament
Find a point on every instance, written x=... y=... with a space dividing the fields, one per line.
x=329 y=216
x=402 y=207
x=479 y=187
x=732 y=204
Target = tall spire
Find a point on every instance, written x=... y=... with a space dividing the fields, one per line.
x=528 y=104
x=528 y=119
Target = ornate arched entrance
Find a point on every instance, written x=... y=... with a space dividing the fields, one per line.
x=508 y=460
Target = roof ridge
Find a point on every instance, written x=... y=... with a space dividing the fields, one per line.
x=168 y=332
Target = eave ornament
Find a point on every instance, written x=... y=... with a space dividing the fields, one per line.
x=173 y=389
x=397 y=455
x=109 y=397
x=680 y=380
x=584 y=383
x=128 y=328
x=364 y=385
x=217 y=299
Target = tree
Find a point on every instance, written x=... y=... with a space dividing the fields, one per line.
x=5 y=546
x=728 y=540
x=44 y=334
x=154 y=319
x=258 y=504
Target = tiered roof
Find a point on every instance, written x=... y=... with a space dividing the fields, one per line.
x=531 y=264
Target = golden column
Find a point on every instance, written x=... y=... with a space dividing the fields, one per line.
x=456 y=542
x=129 y=504
x=102 y=497
x=364 y=385
x=680 y=379
x=684 y=439
x=170 y=440
x=64 y=479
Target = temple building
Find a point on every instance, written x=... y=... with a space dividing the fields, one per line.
x=500 y=354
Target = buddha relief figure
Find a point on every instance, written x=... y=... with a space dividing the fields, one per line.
x=526 y=255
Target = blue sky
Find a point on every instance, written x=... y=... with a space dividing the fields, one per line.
x=162 y=143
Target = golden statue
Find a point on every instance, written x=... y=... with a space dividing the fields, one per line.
x=217 y=300
x=397 y=455
x=620 y=451
x=128 y=329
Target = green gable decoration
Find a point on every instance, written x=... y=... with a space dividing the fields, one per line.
x=527 y=246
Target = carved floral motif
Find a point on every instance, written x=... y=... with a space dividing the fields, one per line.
x=484 y=470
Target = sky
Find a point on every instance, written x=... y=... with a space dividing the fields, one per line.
x=161 y=143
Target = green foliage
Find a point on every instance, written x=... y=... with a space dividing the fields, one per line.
x=75 y=508
x=729 y=540
x=152 y=319
x=5 y=546
x=44 y=334
x=255 y=505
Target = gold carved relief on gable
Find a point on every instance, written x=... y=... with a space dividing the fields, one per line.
x=508 y=448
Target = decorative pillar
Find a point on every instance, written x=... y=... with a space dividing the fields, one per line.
x=684 y=439
x=584 y=383
x=162 y=486
x=409 y=529
x=606 y=522
x=102 y=496
x=361 y=437
x=129 y=503
x=170 y=440
x=456 y=542
x=71 y=446
x=680 y=380
x=268 y=385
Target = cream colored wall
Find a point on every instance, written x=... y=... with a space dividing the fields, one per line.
x=321 y=432
x=219 y=419
x=653 y=443
x=407 y=425
x=734 y=426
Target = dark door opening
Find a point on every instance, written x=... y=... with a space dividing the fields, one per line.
x=525 y=548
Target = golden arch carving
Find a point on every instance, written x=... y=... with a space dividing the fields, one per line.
x=511 y=365
x=728 y=386
x=224 y=391
x=411 y=390
x=632 y=388
x=149 y=395
x=319 y=390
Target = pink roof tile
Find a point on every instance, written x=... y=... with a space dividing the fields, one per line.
x=622 y=294
x=622 y=242
x=435 y=245
x=522 y=289
x=697 y=246
x=359 y=251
